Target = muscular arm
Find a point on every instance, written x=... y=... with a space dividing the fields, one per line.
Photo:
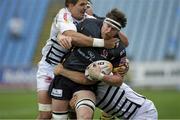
x=79 y=39
x=124 y=39
x=82 y=40
x=75 y=76
x=78 y=77
x=114 y=80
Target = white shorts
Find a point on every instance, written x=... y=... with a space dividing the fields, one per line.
x=45 y=75
x=146 y=112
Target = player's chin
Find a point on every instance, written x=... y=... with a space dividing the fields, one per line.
x=81 y=17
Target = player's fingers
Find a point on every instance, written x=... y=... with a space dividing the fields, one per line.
x=110 y=43
x=61 y=41
x=66 y=42
x=58 y=68
x=73 y=101
x=62 y=45
x=69 y=42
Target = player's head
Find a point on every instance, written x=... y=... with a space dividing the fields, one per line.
x=77 y=8
x=114 y=21
x=89 y=9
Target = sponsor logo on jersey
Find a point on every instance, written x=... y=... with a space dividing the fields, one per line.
x=56 y=92
x=104 y=53
x=122 y=52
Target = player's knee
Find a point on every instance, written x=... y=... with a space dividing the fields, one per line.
x=44 y=115
x=85 y=108
x=60 y=115
x=88 y=103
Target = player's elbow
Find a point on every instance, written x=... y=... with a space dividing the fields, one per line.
x=124 y=39
x=126 y=43
x=115 y=80
x=117 y=83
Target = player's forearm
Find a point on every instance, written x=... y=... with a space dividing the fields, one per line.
x=124 y=39
x=114 y=80
x=79 y=39
x=77 y=77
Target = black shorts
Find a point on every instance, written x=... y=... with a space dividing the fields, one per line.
x=62 y=88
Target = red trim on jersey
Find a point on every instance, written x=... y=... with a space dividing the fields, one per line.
x=65 y=17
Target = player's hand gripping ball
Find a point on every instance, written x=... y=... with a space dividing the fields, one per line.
x=96 y=70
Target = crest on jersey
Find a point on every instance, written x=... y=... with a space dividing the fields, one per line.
x=65 y=17
x=104 y=53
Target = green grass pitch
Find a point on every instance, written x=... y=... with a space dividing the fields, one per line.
x=22 y=104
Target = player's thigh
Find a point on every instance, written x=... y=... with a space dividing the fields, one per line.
x=44 y=75
x=44 y=78
x=59 y=105
x=85 y=94
x=43 y=97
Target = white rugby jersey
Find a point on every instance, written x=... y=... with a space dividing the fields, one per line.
x=121 y=101
x=62 y=22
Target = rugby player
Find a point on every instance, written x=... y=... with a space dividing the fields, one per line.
x=62 y=89
x=54 y=51
x=112 y=95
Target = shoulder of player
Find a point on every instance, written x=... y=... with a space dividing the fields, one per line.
x=64 y=12
x=92 y=21
x=89 y=16
x=64 y=15
x=121 y=44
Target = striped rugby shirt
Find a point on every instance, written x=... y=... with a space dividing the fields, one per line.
x=121 y=102
x=63 y=21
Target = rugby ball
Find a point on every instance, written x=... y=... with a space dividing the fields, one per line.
x=105 y=66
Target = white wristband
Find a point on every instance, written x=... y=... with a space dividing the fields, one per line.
x=98 y=42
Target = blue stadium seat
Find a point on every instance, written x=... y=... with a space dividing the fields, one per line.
x=151 y=25
x=20 y=52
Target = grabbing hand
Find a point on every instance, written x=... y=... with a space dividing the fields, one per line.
x=95 y=72
x=58 y=69
x=73 y=102
x=123 y=67
x=110 y=43
x=64 y=41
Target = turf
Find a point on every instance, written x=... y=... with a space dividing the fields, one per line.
x=22 y=104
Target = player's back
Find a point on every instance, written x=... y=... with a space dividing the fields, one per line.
x=120 y=101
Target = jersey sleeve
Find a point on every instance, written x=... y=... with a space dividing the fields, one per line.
x=119 y=60
x=121 y=64
x=64 y=21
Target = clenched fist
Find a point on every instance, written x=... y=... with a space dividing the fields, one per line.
x=58 y=69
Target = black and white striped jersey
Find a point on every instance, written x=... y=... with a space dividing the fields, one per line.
x=63 y=21
x=121 y=101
